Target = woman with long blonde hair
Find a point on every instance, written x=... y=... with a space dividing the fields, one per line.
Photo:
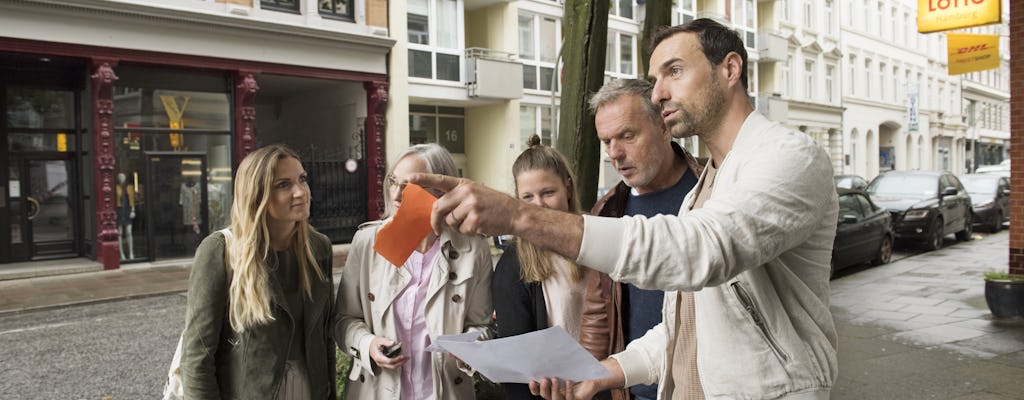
x=259 y=297
x=442 y=288
x=535 y=289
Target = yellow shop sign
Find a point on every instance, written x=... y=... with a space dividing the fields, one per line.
x=942 y=15
x=972 y=52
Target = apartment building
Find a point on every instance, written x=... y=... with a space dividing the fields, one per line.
x=122 y=121
x=853 y=74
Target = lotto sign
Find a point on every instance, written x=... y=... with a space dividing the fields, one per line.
x=971 y=52
x=943 y=15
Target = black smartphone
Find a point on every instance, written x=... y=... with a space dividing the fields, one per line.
x=392 y=351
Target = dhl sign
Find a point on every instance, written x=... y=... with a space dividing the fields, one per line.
x=972 y=52
x=943 y=15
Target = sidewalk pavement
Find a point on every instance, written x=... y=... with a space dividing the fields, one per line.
x=917 y=328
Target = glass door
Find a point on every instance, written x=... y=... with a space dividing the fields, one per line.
x=176 y=198
x=42 y=208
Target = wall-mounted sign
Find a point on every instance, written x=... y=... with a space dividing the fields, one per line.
x=943 y=15
x=972 y=52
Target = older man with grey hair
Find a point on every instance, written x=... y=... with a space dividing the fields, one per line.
x=656 y=175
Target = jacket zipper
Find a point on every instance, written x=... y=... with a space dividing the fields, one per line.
x=748 y=304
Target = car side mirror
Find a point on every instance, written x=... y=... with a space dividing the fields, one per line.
x=848 y=219
x=1006 y=192
x=949 y=191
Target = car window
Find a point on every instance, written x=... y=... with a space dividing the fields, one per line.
x=850 y=205
x=983 y=185
x=865 y=204
x=944 y=182
x=903 y=186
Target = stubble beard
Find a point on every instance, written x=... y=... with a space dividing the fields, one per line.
x=700 y=119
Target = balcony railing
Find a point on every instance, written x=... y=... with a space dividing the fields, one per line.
x=493 y=74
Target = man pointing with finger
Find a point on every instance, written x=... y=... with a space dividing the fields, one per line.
x=745 y=264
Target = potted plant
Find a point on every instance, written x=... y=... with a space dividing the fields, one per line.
x=1004 y=294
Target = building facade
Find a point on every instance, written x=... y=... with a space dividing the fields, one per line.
x=124 y=121
x=853 y=74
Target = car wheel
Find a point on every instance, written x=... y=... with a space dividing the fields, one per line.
x=934 y=241
x=884 y=252
x=997 y=221
x=965 y=234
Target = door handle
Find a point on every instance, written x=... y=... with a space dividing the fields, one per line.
x=33 y=209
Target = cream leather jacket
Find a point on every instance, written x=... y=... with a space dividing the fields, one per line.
x=756 y=257
x=458 y=301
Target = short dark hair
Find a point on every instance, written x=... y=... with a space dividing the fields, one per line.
x=716 y=40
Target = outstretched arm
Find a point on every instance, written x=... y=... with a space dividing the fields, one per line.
x=472 y=208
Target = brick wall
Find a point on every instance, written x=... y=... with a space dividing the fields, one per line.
x=1016 y=140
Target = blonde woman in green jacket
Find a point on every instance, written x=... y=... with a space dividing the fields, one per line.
x=256 y=328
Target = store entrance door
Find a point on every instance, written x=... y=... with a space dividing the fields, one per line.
x=176 y=203
x=42 y=207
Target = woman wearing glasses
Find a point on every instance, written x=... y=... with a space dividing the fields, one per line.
x=442 y=288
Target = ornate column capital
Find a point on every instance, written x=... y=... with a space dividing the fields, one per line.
x=245 y=113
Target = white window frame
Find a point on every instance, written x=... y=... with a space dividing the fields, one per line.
x=536 y=62
x=538 y=124
x=615 y=42
x=830 y=83
x=809 y=67
x=434 y=49
x=681 y=12
x=613 y=9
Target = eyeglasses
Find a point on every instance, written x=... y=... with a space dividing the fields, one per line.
x=393 y=183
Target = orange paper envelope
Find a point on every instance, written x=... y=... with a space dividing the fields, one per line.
x=397 y=240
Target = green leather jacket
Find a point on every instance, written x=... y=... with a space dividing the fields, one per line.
x=219 y=363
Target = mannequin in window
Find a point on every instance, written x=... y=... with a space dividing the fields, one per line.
x=125 y=214
x=189 y=200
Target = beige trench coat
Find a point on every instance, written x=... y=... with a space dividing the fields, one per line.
x=458 y=301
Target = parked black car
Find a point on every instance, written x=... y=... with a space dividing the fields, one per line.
x=925 y=205
x=854 y=182
x=990 y=198
x=864 y=232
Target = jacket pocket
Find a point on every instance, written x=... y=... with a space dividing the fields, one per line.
x=762 y=325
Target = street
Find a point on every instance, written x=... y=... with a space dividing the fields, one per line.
x=115 y=350
x=122 y=349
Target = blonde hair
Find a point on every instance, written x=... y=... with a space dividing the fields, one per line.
x=249 y=293
x=535 y=264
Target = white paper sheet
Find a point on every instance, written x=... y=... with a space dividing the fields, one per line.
x=548 y=353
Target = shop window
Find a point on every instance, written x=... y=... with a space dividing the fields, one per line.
x=337 y=9
x=280 y=5
x=172 y=146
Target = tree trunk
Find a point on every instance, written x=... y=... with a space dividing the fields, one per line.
x=658 y=14
x=585 y=32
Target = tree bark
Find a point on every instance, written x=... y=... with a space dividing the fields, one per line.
x=658 y=14
x=585 y=32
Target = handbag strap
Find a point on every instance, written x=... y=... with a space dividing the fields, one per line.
x=228 y=237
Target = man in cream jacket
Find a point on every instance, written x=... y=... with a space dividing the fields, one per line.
x=746 y=261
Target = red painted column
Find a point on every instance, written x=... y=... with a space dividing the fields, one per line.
x=245 y=114
x=1016 y=140
x=376 y=157
x=103 y=78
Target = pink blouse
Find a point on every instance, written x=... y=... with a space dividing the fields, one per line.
x=417 y=375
